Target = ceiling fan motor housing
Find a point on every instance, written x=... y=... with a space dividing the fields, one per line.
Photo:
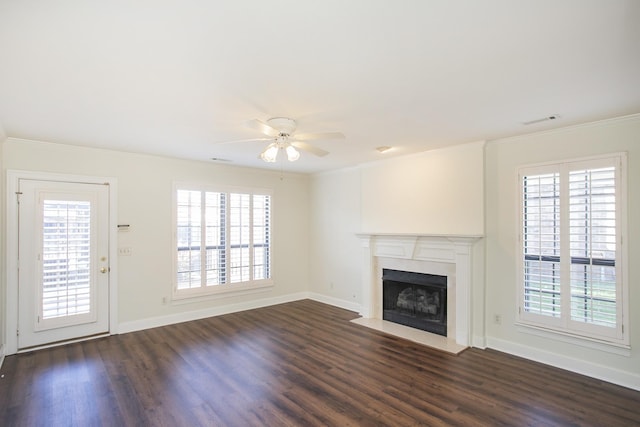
x=283 y=124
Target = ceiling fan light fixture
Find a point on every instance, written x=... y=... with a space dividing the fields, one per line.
x=292 y=153
x=281 y=131
x=270 y=153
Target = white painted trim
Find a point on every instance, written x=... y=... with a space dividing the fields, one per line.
x=601 y=372
x=570 y=338
x=11 y=248
x=438 y=250
x=336 y=302
x=154 y=322
x=61 y=343
x=564 y=129
x=241 y=289
x=113 y=255
x=478 y=341
x=1 y=355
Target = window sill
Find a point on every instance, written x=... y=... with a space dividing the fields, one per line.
x=620 y=349
x=189 y=296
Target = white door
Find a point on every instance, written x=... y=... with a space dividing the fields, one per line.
x=63 y=247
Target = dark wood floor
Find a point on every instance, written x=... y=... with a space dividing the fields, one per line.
x=300 y=363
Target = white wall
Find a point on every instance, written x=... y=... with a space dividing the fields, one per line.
x=335 y=268
x=145 y=202
x=436 y=192
x=502 y=159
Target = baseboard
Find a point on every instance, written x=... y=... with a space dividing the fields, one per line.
x=1 y=355
x=604 y=373
x=154 y=322
x=347 y=305
x=479 y=342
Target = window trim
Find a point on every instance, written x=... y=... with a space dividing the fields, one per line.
x=562 y=327
x=229 y=289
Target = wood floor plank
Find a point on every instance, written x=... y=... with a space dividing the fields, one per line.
x=297 y=364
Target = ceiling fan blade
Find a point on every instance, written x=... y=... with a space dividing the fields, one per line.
x=244 y=140
x=312 y=136
x=310 y=148
x=263 y=127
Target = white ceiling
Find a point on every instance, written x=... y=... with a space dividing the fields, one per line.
x=175 y=77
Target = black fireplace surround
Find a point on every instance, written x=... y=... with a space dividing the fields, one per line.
x=417 y=300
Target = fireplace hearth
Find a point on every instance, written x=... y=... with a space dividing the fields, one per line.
x=417 y=300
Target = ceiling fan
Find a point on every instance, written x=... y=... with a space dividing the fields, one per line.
x=281 y=131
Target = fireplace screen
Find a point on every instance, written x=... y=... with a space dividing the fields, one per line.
x=415 y=299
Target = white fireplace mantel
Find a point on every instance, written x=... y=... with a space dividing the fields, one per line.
x=452 y=253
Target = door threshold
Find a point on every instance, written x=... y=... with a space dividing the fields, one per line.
x=63 y=342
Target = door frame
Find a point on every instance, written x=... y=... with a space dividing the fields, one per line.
x=11 y=301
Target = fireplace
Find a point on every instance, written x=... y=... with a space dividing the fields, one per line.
x=448 y=256
x=415 y=299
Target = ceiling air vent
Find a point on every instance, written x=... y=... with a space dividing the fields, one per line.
x=544 y=119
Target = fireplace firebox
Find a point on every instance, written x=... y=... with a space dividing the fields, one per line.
x=414 y=299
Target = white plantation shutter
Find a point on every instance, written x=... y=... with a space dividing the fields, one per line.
x=541 y=244
x=66 y=266
x=215 y=238
x=189 y=239
x=570 y=243
x=221 y=238
x=592 y=236
x=239 y=235
x=261 y=236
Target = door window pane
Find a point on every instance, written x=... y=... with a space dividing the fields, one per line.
x=66 y=266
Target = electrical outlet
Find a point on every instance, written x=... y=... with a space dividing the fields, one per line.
x=497 y=319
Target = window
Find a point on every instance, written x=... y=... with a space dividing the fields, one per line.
x=66 y=258
x=223 y=240
x=571 y=265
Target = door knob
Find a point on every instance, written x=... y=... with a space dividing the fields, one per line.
x=103 y=270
